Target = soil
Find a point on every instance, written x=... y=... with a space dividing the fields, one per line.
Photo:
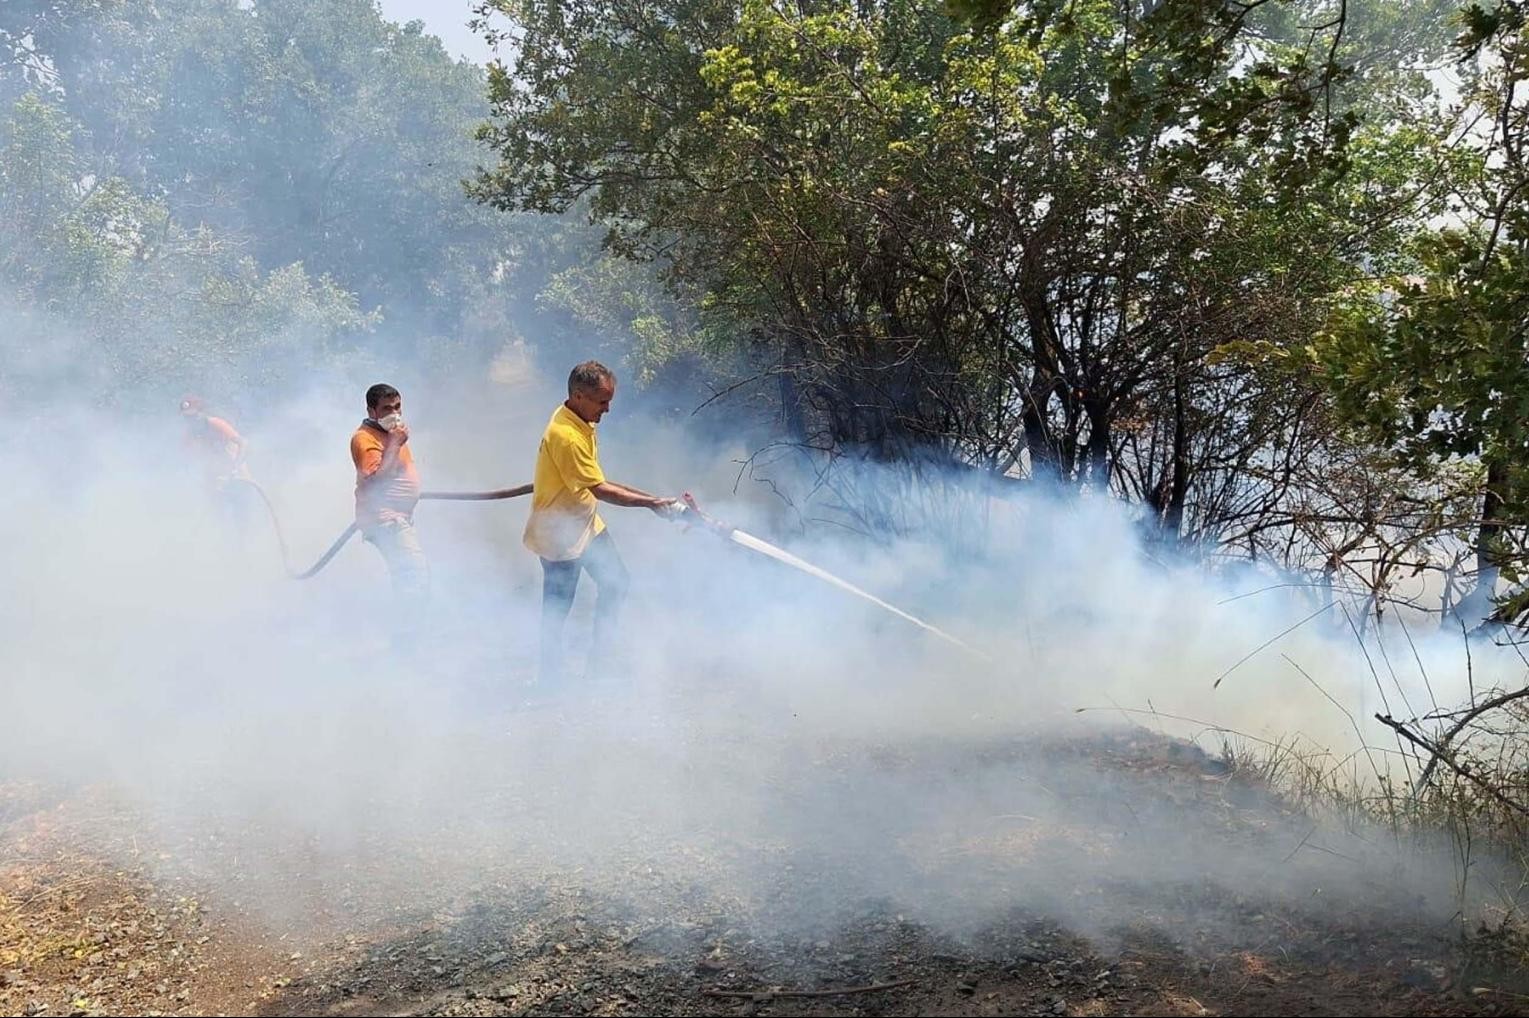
x=102 y=912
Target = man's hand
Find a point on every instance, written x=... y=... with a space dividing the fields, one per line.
x=634 y=498
x=669 y=508
x=387 y=464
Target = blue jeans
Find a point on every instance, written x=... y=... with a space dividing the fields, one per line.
x=560 y=582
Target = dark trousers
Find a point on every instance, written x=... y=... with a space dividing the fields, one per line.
x=560 y=582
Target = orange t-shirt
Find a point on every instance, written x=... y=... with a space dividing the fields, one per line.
x=391 y=498
x=217 y=442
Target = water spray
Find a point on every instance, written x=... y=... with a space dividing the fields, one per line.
x=692 y=514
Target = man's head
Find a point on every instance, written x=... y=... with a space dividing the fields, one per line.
x=381 y=400
x=193 y=406
x=591 y=387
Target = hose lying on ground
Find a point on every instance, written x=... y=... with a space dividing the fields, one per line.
x=350 y=531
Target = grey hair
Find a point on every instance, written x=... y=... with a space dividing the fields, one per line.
x=588 y=376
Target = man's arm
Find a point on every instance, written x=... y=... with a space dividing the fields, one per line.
x=232 y=440
x=632 y=498
x=240 y=450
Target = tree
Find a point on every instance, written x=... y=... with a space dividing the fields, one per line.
x=101 y=290
x=25 y=27
x=313 y=133
x=226 y=193
x=1432 y=363
x=1012 y=243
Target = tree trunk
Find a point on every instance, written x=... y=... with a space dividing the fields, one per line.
x=1098 y=450
x=1178 y=494
x=1045 y=463
x=1476 y=606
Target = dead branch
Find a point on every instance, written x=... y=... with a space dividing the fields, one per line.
x=1465 y=719
x=1443 y=753
x=764 y=996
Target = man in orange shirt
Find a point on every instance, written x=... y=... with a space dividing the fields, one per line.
x=215 y=442
x=387 y=489
x=564 y=530
x=218 y=449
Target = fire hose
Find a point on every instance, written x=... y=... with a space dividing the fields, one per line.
x=350 y=531
x=687 y=512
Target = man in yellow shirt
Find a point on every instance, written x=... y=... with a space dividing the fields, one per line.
x=565 y=530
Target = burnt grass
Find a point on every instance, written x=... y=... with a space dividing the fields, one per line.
x=97 y=917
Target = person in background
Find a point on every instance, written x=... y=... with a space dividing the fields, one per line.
x=218 y=451
x=216 y=443
x=565 y=530
x=387 y=490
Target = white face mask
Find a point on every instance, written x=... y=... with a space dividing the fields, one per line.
x=390 y=422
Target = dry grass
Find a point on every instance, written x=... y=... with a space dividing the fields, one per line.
x=1478 y=804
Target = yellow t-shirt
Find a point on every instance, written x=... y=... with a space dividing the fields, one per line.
x=563 y=517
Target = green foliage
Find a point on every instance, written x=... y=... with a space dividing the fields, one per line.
x=312 y=132
x=62 y=234
x=628 y=316
x=1438 y=368
x=207 y=188
x=1021 y=234
x=1432 y=364
x=142 y=302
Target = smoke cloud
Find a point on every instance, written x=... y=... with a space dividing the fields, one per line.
x=767 y=745
x=778 y=747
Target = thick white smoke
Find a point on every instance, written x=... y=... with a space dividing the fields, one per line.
x=777 y=744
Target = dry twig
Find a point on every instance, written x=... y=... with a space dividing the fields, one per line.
x=763 y=996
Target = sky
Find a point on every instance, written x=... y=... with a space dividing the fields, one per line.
x=445 y=18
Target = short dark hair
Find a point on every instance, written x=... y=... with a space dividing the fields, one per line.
x=379 y=392
x=589 y=375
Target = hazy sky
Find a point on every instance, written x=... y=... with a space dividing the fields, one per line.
x=445 y=18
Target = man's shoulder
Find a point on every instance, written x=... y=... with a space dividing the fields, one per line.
x=364 y=437
x=561 y=429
